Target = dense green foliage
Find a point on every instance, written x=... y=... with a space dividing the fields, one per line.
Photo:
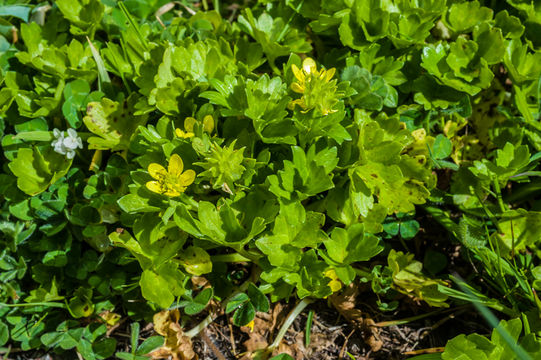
x=307 y=140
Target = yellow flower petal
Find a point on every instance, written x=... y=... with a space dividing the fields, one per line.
x=297 y=88
x=155 y=186
x=172 y=192
x=157 y=171
x=189 y=122
x=184 y=135
x=331 y=274
x=297 y=73
x=330 y=73
x=309 y=65
x=187 y=178
x=251 y=325
x=208 y=123
x=335 y=285
x=175 y=166
x=292 y=104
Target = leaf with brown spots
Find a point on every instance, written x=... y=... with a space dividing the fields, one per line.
x=112 y=122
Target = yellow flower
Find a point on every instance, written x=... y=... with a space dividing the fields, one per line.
x=171 y=182
x=183 y=134
x=189 y=122
x=335 y=284
x=316 y=87
x=251 y=325
x=309 y=69
x=208 y=124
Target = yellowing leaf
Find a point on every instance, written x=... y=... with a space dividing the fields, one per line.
x=112 y=122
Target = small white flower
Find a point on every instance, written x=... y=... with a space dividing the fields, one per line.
x=66 y=145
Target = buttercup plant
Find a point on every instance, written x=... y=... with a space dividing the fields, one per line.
x=317 y=87
x=171 y=182
x=240 y=156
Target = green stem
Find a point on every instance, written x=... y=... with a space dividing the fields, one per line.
x=363 y=272
x=286 y=26
x=443 y=219
x=134 y=25
x=418 y=317
x=499 y=195
x=45 y=303
x=489 y=213
x=199 y=327
x=290 y=318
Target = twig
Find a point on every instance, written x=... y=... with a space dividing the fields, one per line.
x=115 y=326
x=343 y=349
x=213 y=347
x=233 y=347
x=425 y=351
x=161 y=22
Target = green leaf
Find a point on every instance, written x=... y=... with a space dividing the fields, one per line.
x=273 y=34
x=409 y=228
x=510 y=25
x=236 y=302
x=55 y=258
x=132 y=203
x=293 y=230
x=196 y=261
x=282 y=357
x=309 y=171
x=409 y=279
x=199 y=302
x=346 y=246
x=84 y=347
x=36 y=170
x=491 y=43
x=519 y=229
x=149 y=345
x=104 y=348
x=258 y=299
x=156 y=289
x=134 y=327
x=244 y=314
x=19 y=11
x=373 y=18
x=83 y=14
x=75 y=94
x=468 y=348
x=462 y=17
x=4 y=333
x=442 y=147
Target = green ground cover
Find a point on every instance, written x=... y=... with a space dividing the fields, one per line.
x=172 y=161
